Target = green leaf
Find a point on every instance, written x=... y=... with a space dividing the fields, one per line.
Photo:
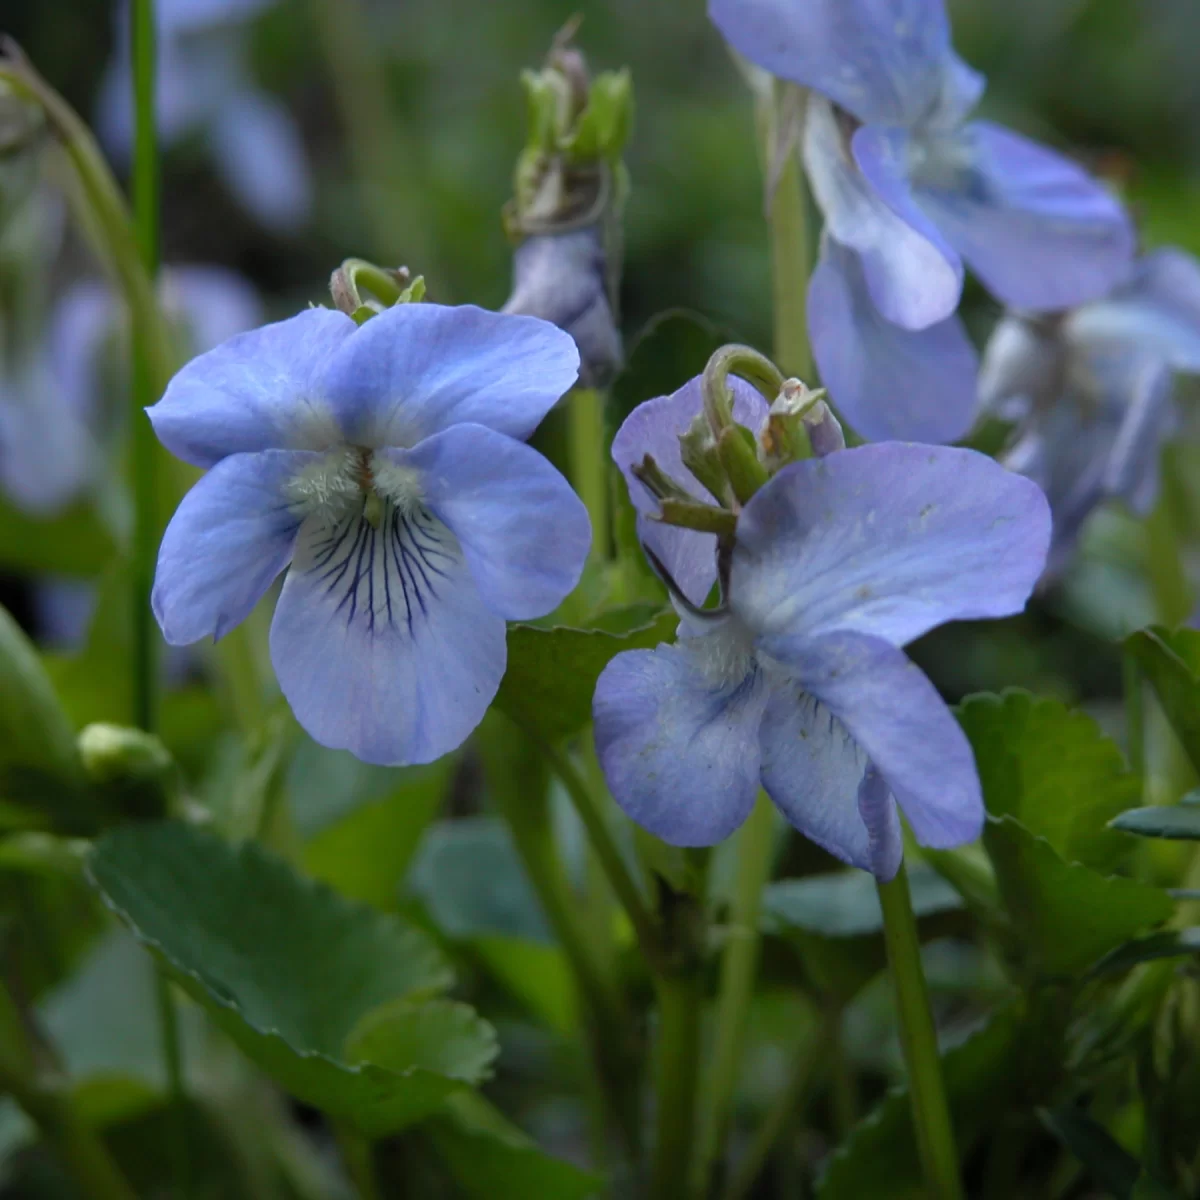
x=492 y=1159
x=1171 y=663
x=1108 y=1162
x=1179 y=822
x=1173 y=943
x=75 y=542
x=286 y=967
x=1053 y=770
x=552 y=673
x=984 y=1076
x=40 y=769
x=1065 y=915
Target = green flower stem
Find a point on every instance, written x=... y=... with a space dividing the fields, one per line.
x=626 y=890
x=677 y=1069
x=791 y=1100
x=588 y=453
x=147 y=387
x=790 y=268
x=931 y=1113
x=1135 y=712
x=358 y=1161
x=50 y=1106
x=739 y=965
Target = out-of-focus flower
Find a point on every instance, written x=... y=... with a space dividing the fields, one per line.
x=910 y=191
x=205 y=87
x=385 y=467
x=1090 y=392
x=55 y=423
x=797 y=681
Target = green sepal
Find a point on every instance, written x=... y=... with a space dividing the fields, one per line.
x=739 y=456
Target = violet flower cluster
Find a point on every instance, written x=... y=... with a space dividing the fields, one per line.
x=911 y=192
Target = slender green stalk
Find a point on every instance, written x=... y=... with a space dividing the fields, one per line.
x=147 y=388
x=677 y=1070
x=739 y=966
x=50 y=1106
x=1135 y=712
x=790 y=1100
x=358 y=1161
x=931 y=1113
x=790 y=267
x=589 y=464
x=624 y=887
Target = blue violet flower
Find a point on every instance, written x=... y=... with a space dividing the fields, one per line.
x=1089 y=391
x=797 y=681
x=911 y=190
x=385 y=468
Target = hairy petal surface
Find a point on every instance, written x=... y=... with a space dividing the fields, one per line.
x=1037 y=229
x=230 y=537
x=820 y=779
x=895 y=714
x=888 y=382
x=882 y=60
x=679 y=748
x=913 y=275
x=524 y=533
x=888 y=540
x=417 y=369
x=654 y=428
x=261 y=390
x=382 y=642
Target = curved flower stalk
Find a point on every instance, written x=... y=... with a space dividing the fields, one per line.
x=912 y=192
x=798 y=681
x=384 y=467
x=55 y=423
x=205 y=86
x=565 y=216
x=1090 y=392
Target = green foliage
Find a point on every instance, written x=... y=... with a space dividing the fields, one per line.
x=552 y=673
x=1174 y=822
x=76 y=542
x=1171 y=663
x=1053 y=770
x=1110 y=1164
x=41 y=776
x=256 y=945
x=1064 y=916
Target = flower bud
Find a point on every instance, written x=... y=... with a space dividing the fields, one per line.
x=361 y=289
x=799 y=425
x=132 y=770
x=570 y=187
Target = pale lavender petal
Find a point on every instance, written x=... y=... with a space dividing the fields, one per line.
x=1038 y=230
x=260 y=390
x=677 y=744
x=1023 y=369
x=889 y=540
x=231 y=535
x=382 y=641
x=1133 y=467
x=913 y=275
x=260 y=155
x=1157 y=312
x=523 y=531
x=419 y=368
x=886 y=381
x=896 y=715
x=822 y=782
x=654 y=428
x=888 y=61
x=80 y=323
